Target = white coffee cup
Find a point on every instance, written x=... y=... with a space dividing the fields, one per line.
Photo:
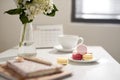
x=70 y=41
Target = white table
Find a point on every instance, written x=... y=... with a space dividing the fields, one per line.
x=106 y=68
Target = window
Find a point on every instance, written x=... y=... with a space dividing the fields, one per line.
x=101 y=11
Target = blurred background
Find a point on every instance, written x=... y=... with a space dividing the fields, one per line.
x=95 y=34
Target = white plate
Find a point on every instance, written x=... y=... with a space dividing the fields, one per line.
x=60 y=48
x=93 y=60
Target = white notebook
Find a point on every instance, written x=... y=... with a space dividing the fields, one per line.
x=31 y=69
x=47 y=35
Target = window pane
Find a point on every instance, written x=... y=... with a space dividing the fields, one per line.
x=98 y=9
x=96 y=6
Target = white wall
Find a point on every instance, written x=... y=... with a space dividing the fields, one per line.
x=105 y=35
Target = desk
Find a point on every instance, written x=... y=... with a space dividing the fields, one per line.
x=106 y=68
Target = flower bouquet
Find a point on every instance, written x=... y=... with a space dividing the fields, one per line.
x=27 y=11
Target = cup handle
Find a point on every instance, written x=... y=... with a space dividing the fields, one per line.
x=81 y=39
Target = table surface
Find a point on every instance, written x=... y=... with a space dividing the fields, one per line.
x=105 y=68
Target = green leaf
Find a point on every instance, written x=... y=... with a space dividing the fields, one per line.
x=14 y=11
x=55 y=8
x=24 y=19
x=52 y=12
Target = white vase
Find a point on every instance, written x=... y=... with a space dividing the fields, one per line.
x=26 y=46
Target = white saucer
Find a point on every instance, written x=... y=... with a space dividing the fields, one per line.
x=83 y=61
x=60 y=48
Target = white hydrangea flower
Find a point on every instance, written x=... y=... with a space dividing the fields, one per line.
x=36 y=7
x=40 y=6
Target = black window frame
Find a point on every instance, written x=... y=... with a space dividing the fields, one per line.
x=74 y=19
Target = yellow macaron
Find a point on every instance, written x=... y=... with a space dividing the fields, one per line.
x=88 y=56
x=62 y=60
